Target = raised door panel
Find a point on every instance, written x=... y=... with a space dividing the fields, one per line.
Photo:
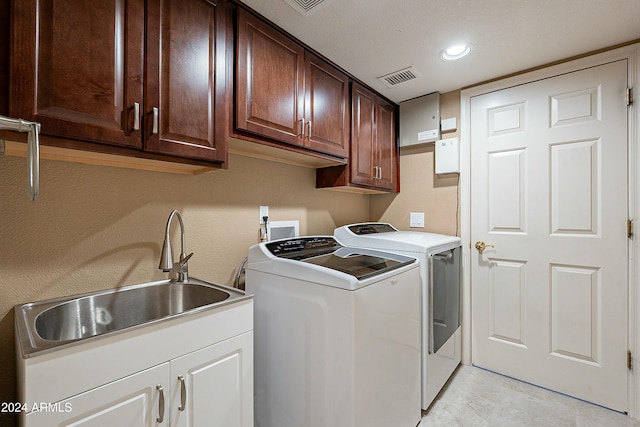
x=185 y=86
x=77 y=68
x=386 y=146
x=134 y=401
x=269 y=82
x=326 y=108
x=362 y=160
x=214 y=386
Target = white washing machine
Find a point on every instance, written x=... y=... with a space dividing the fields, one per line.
x=336 y=335
x=440 y=298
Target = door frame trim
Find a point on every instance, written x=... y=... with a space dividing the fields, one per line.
x=631 y=53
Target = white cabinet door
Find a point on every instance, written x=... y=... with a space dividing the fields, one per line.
x=133 y=401
x=214 y=386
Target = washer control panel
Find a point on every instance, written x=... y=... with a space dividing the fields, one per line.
x=304 y=247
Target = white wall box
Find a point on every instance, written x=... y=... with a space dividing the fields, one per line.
x=283 y=229
x=447 y=156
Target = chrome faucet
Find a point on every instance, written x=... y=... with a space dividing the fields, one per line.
x=178 y=271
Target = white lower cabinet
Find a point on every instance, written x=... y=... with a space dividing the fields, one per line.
x=196 y=371
x=213 y=387
x=132 y=401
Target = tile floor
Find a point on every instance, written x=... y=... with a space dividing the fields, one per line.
x=475 y=397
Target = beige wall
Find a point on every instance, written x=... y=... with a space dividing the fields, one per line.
x=96 y=227
x=421 y=189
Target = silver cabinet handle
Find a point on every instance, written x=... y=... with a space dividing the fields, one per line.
x=309 y=134
x=301 y=127
x=136 y=116
x=183 y=394
x=160 y=418
x=33 y=160
x=154 y=127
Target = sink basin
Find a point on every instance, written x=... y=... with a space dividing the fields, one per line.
x=49 y=324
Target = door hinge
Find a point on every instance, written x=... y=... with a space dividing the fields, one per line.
x=629 y=228
x=629 y=360
x=629 y=96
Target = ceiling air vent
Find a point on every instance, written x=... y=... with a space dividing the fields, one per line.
x=398 y=77
x=305 y=7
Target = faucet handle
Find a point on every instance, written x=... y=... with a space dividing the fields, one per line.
x=181 y=269
x=183 y=261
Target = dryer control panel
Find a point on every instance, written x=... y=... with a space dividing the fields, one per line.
x=371 y=228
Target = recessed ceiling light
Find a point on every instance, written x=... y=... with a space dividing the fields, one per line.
x=455 y=51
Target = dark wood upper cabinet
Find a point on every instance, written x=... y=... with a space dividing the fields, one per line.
x=287 y=94
x=374 y=159
x=326 y=108
x=186 y=83
x=373 y=163
x=269 y=81
x=5 y=36
x=73 y=72
x=91 y=71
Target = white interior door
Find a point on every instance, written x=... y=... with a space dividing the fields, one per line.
x=549 y=192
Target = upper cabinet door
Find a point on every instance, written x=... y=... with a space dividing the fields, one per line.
x=269 y=82
x=77 y=68
x=374 y=156
x=327 y=124
x=185 y=111
x=386 y=144
x=363 y=145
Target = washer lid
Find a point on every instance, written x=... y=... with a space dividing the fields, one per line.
x=358 y=264
x=385 y=236
x=325 y=261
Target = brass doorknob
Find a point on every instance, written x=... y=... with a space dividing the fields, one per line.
x=481 y=246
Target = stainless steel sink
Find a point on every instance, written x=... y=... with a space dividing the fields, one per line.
x=49 y=324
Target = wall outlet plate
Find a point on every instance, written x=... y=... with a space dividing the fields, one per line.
x=264 y=211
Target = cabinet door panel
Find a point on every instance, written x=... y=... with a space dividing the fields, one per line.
x=186 y=78
x=77 y=67
x=362 y=160
x=132 y=401
x=218 y=385
x=269 y=81
x=386 y=146
x=326 y=108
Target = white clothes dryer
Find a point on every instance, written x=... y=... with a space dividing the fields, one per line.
x=336 y=334
x=440 y=297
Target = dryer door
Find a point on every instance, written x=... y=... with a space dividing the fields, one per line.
x=444 y=297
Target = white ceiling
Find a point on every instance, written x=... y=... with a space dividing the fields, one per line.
x=372 y=38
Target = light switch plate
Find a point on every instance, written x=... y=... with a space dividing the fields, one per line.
x=416 y=219
x=448 y=124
